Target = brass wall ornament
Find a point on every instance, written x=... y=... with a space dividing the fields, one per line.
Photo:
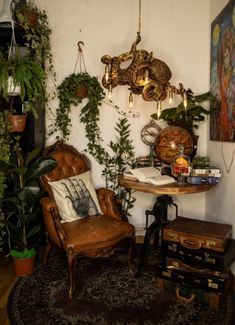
x=146 y=75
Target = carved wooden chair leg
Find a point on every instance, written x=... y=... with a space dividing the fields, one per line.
x=72 y=264
x=131 y=265
x=46 y=252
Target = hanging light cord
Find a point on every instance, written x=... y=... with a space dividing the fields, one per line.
x=139 y=17
x=228 y=168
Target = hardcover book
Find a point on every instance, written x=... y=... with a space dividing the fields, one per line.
x=150 y=175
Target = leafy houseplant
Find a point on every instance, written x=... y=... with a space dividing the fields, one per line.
x=7 y=140
x=37 y=32
x=201 y=161
x=69 y=94
x=29 y=74
x=21 y=199
x=189 y=118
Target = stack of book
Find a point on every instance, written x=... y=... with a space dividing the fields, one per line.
x=206 y=175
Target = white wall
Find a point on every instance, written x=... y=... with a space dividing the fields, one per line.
x=220 y=203
x=177 y=31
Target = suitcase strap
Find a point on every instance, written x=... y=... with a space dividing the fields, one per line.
x=184 y=299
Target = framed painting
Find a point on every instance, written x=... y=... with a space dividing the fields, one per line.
x=222 y=75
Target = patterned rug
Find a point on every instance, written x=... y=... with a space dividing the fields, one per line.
x=106 y=294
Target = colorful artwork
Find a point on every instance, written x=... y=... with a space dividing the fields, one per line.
x=222 y=119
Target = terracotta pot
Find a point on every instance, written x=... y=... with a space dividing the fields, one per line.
x=23 y=266
x=81 y=91
x=18 y=122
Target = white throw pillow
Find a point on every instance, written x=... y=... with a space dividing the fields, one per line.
x=75 y=197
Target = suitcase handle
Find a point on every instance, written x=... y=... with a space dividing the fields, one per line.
x=184 y=299
x=190 y=244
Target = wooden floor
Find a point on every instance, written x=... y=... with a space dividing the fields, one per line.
x=7 y=281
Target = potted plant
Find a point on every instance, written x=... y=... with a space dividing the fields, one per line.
x=71 y=92
x=6 y=141
x=25 y=72
x=21 y=204
x=189 y=118
x=37 y=31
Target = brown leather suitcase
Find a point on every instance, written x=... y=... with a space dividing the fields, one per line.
x=189 y=295
x=203 y=258
x=173 y=263
x=197 y=234
x=192 y=279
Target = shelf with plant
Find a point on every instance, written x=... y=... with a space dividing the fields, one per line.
x=191 y=117
x=37 y=32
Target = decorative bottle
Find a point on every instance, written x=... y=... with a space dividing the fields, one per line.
x=181 y=166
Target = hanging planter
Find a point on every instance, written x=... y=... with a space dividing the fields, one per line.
x=17 y=122
x=71 y=92
x=81 y=91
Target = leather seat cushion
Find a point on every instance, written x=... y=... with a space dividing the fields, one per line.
x=96 y=232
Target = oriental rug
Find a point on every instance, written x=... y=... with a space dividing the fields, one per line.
x=106 y=294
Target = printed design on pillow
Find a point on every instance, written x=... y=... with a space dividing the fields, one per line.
x=81 y=199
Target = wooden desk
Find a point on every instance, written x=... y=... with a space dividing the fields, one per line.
x=169 y=189
x=159 y=210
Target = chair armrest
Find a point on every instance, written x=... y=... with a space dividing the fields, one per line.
x=110 y=203
x=52 y=222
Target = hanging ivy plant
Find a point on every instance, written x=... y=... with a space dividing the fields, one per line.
x=71 y=92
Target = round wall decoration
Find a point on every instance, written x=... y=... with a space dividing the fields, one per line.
x=149 y=133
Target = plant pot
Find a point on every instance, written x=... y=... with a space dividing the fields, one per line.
x=18 y=122
x=81 y=91
x=12 y=89
x=23 y=266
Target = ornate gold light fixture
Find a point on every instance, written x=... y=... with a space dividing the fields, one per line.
x=146 y=75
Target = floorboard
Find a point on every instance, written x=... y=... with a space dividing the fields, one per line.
x=7 y=281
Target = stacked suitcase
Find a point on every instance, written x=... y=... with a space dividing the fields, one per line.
x=197 y=256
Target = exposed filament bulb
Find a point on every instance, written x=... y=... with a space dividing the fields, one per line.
x=146 y=76
x=110 y=92
x=131 y=100
x=170 y=94
x=106 y=75
x=159 y=108
x=185 y=102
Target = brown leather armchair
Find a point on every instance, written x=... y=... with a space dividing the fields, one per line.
x=91 y=236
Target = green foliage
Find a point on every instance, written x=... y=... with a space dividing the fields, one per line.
x=37 y=33
x=26 y=253
x=122 y=149
x=26 y=72
x=6 y=141
x=201 y=161
x=21 y=198
x=123 y=157
x=67 y=97
x=189 y=118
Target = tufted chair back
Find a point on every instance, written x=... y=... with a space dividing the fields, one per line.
x=69 y=163
x=92 y=236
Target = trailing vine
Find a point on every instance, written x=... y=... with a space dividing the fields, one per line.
x=70 y=93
